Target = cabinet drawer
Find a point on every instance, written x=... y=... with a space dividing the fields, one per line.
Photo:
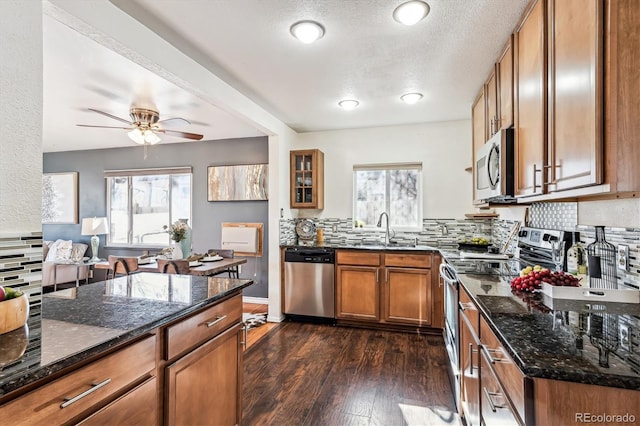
x=126 y=409
x=494 y=405
x=84 y=388
x=469 y=310
x=357 y=258
x=506 y=370
x=202 y=326
x=408 y=260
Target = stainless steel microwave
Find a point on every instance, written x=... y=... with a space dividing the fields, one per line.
x=495 y=167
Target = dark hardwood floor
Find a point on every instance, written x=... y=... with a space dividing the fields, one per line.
x=307 y=374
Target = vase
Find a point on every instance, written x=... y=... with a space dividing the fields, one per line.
x=177 y=252
x=185 y=243
x=601 y=257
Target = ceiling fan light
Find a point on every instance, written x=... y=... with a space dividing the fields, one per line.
x=150 y=137
x=411 y=12
x=136 y=136
x=411 y=98
x=307 y=31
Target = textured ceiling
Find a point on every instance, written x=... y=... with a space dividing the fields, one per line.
x=364 y=54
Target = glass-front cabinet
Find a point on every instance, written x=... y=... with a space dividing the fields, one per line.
x=307 y=179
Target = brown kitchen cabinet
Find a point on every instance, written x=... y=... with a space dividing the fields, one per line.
x=530 y=100
x=495 y=407
x=575 y=80
x=307 y=179
x=479 y=129
x=204 y=386
x=491 y=98
x=468 y=323
x=79 y=394
x=504 y=69
x=384 y=288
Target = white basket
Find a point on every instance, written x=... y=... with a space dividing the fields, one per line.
x=591 y=294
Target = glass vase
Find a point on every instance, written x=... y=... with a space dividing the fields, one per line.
x=601 y=259
x=185 y=243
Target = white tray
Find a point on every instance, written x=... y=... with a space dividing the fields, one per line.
x=591 y=294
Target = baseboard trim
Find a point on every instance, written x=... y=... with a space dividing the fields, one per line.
x=275 y=318
x=257 y=300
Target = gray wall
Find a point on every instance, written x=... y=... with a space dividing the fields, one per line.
x=206 y=216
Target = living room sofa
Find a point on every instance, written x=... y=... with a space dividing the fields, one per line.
x=62 y=273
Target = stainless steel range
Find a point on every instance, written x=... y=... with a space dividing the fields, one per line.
x=534 y=245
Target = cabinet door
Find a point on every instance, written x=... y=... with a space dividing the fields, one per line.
x=530 y=101
x=358 y=293
x=307 y=179
x=407 y=296
x=469 y=372
x=491 y=95
x=505 y=87
x=204 y=386
x=495 y=407
x=478 y=133
x=126 y=409
x=575 y=93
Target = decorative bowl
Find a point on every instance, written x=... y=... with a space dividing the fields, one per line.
x=13 y=313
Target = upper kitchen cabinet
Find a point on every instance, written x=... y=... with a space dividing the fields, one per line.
x=478 y=135
x=504 y=69
x=307 y=179
x=622 y=87
x=530 y=101
x=575 y=93
x=491 y=98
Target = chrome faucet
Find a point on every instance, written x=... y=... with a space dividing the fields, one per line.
x=379 y=224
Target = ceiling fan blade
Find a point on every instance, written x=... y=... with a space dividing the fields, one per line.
x=179 y=134
x=104 y=127
x=175 y=118
x=110 y=115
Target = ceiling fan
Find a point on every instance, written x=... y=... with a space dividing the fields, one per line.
x=144 y=125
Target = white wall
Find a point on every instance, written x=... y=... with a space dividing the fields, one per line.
x=444 y=148
x=623 y=213
x=20 y=116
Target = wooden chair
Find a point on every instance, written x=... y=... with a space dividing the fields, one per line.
x=122 y=266
x=166 y=266
x=227 y=254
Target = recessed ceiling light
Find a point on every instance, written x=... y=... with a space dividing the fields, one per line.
x=348 y=104
x=307 y=31
x=411 y=12
x=411 y=98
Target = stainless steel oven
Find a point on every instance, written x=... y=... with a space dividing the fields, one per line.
x=451 y=332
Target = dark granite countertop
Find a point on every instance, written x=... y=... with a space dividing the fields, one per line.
x=75 y=324
x=571 y=340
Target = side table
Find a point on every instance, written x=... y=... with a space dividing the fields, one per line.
x=79 y=264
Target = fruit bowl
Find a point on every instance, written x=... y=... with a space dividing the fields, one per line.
x=13 y=313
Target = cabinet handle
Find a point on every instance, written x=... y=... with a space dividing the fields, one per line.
x=493 y=360
x=386 y=275
x=94 y=387
x=491 y=127
x=471 y=351
x=377 y=275
x=245 y=332
x=464 y=306
x=490 y=396
x=214 y=322
x=535 y=172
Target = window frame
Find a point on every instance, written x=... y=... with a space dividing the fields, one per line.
x=130 y=174
x=389 y=167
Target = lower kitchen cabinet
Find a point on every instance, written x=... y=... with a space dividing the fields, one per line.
x=469 y=361
x=395 y=289
x=126 y=409
x=496 y=409
x=204 y=386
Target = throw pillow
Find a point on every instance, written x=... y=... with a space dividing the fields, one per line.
x=64 y=250
x=77 y=252
x=53 y=248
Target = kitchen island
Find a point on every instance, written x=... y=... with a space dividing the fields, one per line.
x=530 y=359
x=103 y=349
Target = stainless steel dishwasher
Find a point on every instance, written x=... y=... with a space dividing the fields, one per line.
x=309 y=283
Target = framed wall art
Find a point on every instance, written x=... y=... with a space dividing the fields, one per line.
x=237 y=183
x=60 y=198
